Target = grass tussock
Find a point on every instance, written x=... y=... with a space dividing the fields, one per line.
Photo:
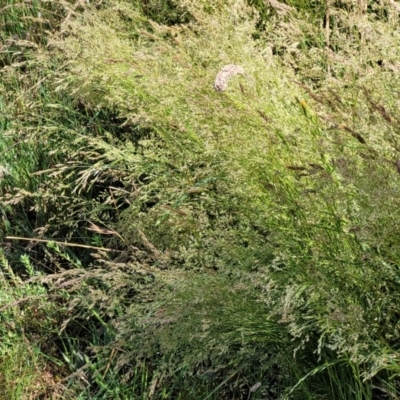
x=197 y=243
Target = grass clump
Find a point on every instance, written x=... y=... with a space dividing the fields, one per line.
x=27 y=330
x=236 y=244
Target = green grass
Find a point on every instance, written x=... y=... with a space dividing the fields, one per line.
x=27 y=328
x=194 y=244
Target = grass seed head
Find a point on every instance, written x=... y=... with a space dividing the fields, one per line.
x=223 y=76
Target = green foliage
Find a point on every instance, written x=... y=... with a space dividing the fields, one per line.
x=26 y=328
x=167 y=12
x=240 y=244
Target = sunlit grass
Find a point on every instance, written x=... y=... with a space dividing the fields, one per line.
x=217 y=241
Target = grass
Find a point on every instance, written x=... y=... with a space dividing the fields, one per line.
x=27 y=327
x=219 y=245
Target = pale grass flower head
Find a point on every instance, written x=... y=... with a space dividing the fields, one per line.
x=3 y=171
x=221 y=81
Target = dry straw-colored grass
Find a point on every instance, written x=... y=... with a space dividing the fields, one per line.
x=226 y=73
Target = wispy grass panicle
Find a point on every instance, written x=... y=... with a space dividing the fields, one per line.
x=223 y=76
x=191 y=244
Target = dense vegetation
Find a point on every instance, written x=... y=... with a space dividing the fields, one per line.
x=162 y=240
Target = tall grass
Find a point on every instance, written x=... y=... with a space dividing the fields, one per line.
x=202 y=244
